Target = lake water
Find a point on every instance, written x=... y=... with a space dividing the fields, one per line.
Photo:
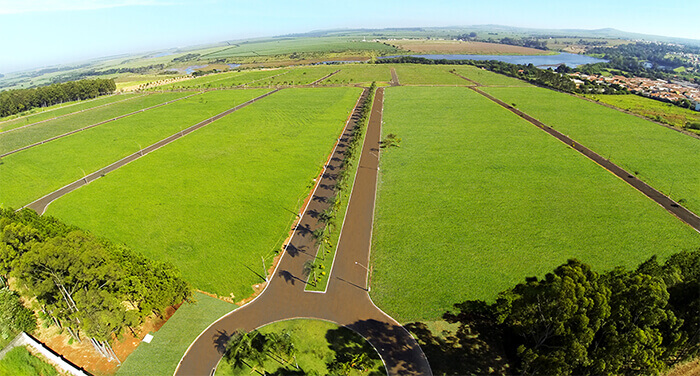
x=571 y=60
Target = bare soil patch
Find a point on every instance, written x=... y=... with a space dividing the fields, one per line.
x=460 y=47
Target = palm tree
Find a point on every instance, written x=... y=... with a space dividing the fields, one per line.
x=310 y=268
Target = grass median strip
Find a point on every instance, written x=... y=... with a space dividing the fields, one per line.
x=478 y=197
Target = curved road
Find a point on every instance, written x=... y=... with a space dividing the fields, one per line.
x=346 y=300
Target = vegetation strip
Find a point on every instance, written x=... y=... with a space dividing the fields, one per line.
x=95 y=125
x=667 y=203
x=40 y=205
x=324 y=77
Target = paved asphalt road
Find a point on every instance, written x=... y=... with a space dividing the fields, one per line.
x=346 y=301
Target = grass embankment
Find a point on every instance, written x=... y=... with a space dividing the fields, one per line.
x=318 y=344
x=216 y=201
x=420 y=74
x=665 y=159
x=485 y=77
x=655 y=110
x=476 y=199
x=20 y=362
x=351 y=74
x=33 y=173
x=36 y=133
x=162 y=355
x=43 y=113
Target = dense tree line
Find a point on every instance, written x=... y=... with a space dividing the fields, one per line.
x=14 y=317
x=16 y=101
x=187 y=57
x=74 y=76
x=89 y=286
x=575 y=321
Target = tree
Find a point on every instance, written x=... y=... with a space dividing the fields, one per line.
x=555 y=318
x=14 y=317
x=310 y=268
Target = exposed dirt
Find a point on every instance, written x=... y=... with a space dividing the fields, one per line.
x=83 y=354
x=461 y=47
x=686 y=369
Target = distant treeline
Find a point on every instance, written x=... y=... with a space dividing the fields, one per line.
x=89 y=286
x=555 y=79
x=16 y=101
x=91 y=73
x=522 y=42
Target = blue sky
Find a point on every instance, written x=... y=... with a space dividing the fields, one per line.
x=42 y=32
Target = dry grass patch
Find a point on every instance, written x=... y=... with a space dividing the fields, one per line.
x=424 y=46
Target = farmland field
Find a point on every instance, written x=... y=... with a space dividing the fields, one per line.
x=298 y=76
x=26 y=136
x=38 y=114
x=651 y=108
x=665 y=159
x=227 y=79
x=33 y=173
x=225 y=195
x=360 y=73
x=161 y=356
x=487 y=78
x=297 y=45
x=419 y=74
x=475 y=199
x=423 y=46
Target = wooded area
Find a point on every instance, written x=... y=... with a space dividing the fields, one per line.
x=92 y=288
x=20 y=100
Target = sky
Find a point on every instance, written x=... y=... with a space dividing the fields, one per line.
x=36 y=33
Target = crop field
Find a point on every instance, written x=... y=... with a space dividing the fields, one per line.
x=487 y=78
x=298 y=76
x=297 y=45
x=476 y=199
x=257 y=164
x=162 y=355
x=38 y=114
x=36 y=133
x=33 y=173
x=651 y=108
x=424 y=46
x=665 y=159
x=419 y=74
x=360 y=73
x=227 y=79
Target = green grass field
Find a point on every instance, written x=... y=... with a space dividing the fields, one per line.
x=298 y=45
x=33 y=173
x=225 y=195
x=359 y=73
x=651 y=108
x=162 y=355
x=20 y=362
x=36 y=133
x=317 y=343
x=40 y=114
x=419 y=74
x=475 y=199
x=662 y=157
x=227 y=79
x=298 y=76
x=487 y=78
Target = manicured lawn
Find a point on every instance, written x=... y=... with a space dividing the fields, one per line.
x=216 y=201
x=487 y=78
x=360 y=73
x=20 y=362
x=476 y=199
x=317 y=343
x=39 y=114
x=420 y=74
x=662 y=157
x=33 y=173
x=651 y=108
x=26 y=136
x=162 y=355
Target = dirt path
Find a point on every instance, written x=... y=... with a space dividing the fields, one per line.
x=323 y=78
x=394 y=78
x=41 y=204
x=346 y=301
x=94 y=125
x=673 y=207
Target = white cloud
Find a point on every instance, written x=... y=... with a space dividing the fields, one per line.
x=27 y=6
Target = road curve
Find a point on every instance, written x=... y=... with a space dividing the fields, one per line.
x=346 y=300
